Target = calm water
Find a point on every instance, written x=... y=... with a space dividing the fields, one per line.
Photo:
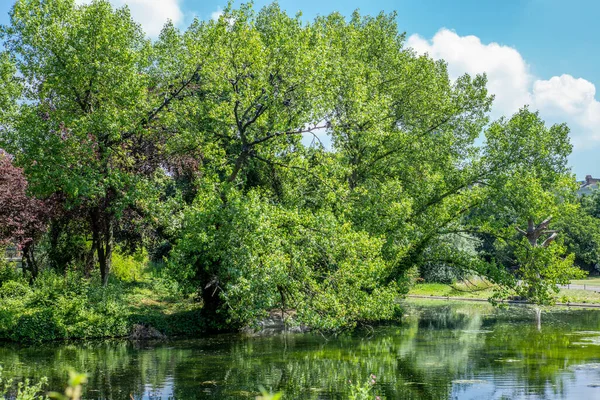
x=442 y=351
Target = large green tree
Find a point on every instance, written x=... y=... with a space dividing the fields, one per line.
x=402 y=172
x=89 y=125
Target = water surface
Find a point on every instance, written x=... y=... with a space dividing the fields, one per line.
x=443 y=350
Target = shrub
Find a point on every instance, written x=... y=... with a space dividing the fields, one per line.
x=73 y=307
x=25 y=390
x=36 y=326
x=129 y=267
x=14 y=289
x=8 y=272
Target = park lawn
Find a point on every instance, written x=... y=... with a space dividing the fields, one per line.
x=578 y=296
x=485 y=291
x=455 y=290
x=589 y=281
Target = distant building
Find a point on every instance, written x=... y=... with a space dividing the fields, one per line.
x=586 y=187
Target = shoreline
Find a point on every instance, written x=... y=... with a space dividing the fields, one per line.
x=524 y=302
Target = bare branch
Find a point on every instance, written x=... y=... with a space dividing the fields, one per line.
x=544 y=224
x=521 y=231
x=550 y=240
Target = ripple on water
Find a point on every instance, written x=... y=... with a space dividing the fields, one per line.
x=468 y=381
x=586 y=341
x=589 y=366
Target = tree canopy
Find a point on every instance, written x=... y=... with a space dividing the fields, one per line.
x=276 y=162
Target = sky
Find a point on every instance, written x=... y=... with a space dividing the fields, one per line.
x=543 y=53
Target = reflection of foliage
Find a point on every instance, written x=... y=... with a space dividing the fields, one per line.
x=437 y=345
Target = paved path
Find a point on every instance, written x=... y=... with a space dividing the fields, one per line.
x=591 y=288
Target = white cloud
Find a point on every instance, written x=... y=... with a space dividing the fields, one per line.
x=508 y=74
x=215 y=15
x=559 y=99
x=572 y=100
x=151 y=14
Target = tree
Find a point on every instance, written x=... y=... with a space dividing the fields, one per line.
x=89 y=122
x=264 y=91
x=404 y=171
x=23 y=219
x=532 y=184
x=581 y=232
x=10 y=90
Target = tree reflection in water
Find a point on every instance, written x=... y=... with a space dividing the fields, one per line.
x=441 y=351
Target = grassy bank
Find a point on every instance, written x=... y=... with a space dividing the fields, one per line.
x=483 y=290
x=72 y=307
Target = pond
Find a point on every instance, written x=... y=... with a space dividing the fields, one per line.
x=443 y=350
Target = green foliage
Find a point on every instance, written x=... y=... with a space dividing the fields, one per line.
x=8 y=271
x=264 y=395
x=581 y=237
x=130 y=267
x=541 y=269
x=363 y=391
x=75 y=388
x=193 y=148
x=449 y=272
x=273 y=261
x=72 y=307
x=10 y=89
x=36 y=325
x=24 y=390
x=14 y=289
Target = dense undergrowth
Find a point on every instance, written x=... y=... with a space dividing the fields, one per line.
x=74 y=307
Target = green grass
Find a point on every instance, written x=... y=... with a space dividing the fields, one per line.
x=478 y=291
x=589 y=281
x=481 y=290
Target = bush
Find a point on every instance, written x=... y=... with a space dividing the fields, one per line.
x=129 y=267
x=24 y=390
x=73 y=307
x=14 y=289
x=39 y=325
x=8 y=272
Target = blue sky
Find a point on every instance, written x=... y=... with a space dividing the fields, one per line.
x=545 y=53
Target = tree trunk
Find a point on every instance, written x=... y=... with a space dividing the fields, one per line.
x=30 y=262
x=108 y=249
x=212 y=309
x=102 y=241
x=54 y=235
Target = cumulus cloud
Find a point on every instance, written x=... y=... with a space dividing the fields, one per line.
x=508 y=74
x=572 y=99
x=215 y=15
x=151 y=14
x=559 y=99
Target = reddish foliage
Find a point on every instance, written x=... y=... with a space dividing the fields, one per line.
x=22 y=218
